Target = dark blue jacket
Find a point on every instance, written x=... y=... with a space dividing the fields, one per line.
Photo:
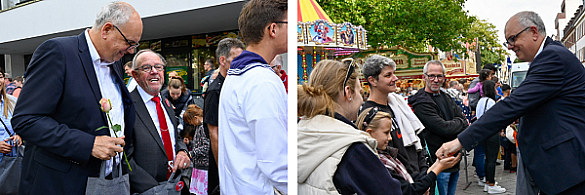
x=57 y=115
x=551 y=106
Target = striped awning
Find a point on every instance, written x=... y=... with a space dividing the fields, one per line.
x=309 y=10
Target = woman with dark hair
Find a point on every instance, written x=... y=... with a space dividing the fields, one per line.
x=492 y=144
x=179 y=96
x=484 y=75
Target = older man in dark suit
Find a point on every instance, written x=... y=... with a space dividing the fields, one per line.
x=157 y=149
x=58 y=112
x=551 y=108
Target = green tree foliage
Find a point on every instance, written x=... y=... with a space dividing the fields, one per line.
x=487 y=36
x=413 y=24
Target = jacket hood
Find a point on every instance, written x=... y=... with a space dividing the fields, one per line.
x=246 y=61
x=321 y=136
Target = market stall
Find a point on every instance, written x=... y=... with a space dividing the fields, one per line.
x=318 y=38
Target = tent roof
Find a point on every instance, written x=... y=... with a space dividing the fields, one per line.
x=309 y=10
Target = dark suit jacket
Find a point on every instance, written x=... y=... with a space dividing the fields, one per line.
x=57 y=115
x=148 y=158
x=551 y=104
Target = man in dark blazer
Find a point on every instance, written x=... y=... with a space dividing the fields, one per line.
x=58 y=112
x=156 y=147
x=550 y=104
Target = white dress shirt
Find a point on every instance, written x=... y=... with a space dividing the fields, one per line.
x=109 y=90
x=151 y=107
x=253 y=134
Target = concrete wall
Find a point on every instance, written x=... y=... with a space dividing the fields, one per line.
x=52 y=16
x=14 y=64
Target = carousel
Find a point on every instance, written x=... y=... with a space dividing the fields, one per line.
x=318 y=38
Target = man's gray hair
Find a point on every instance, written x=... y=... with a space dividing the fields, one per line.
x=225 y=45
x=530 y=18
x=453 y=84
x=135 y=61
x=116 y=12
x=277 y=60
x=436 y=62
x=374 y=65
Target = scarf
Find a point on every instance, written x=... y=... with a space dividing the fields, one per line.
x=246 y=61
x=388 y=158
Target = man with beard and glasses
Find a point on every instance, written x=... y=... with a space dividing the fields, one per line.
x=442 y=118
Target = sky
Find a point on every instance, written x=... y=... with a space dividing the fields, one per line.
x=498 y=12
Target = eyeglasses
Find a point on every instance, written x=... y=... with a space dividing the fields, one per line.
x=131 y=46
x=371 y=114
x=432 y=76
x=511 y=41
x=148 y=68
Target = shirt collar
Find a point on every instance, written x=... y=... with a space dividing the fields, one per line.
x=145 y=96
x=541 y=47
x=95 y=56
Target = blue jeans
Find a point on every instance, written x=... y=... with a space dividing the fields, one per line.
x=479 y=160
x=447 y=182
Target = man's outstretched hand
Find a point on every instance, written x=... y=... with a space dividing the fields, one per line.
x=448 y=149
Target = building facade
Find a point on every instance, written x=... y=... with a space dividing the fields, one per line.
x=185 y=32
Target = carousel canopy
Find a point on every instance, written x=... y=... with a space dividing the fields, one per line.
x=315 y=29
x=309 y=10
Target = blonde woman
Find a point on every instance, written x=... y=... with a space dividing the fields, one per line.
x=7 y=135
x=333 y=156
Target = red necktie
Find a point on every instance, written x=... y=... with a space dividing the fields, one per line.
x=164 y=131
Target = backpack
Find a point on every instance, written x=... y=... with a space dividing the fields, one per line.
x=473 y=97
x=201 y=146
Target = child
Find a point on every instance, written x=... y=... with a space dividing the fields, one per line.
x=378 y=124
x=484 y=74
x=200 y=150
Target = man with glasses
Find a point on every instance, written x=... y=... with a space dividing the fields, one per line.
x=550 y=105
x=252 y=153
x=58 y=112
x=442 y=118
x=276 y=65
x=157 y=148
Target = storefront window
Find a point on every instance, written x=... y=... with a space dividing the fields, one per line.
x=178 y=62
x=199 y=57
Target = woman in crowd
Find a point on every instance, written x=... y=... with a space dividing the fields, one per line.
x=7 y=135
x=333 y=156
x=179 y=96
x=178 y=93
x=492 y=144
x=379 y=124
x=484 y=75
x=379 y=71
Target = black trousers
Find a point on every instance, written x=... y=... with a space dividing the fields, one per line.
x=492 y=147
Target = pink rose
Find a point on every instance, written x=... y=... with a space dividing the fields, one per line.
x=106 y=105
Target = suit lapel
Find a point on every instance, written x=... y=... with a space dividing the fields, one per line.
x=87 y=64
x=170 y=111
x=144 y=116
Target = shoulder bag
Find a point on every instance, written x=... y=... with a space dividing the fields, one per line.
x=10 y=168
x=201 y=146
x=171 y=187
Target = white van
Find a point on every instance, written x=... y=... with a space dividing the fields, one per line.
x=517 y=74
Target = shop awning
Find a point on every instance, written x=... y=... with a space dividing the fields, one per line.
x=309 y=10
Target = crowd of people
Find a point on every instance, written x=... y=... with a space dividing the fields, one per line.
x=384 y=144
x=88 y=132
